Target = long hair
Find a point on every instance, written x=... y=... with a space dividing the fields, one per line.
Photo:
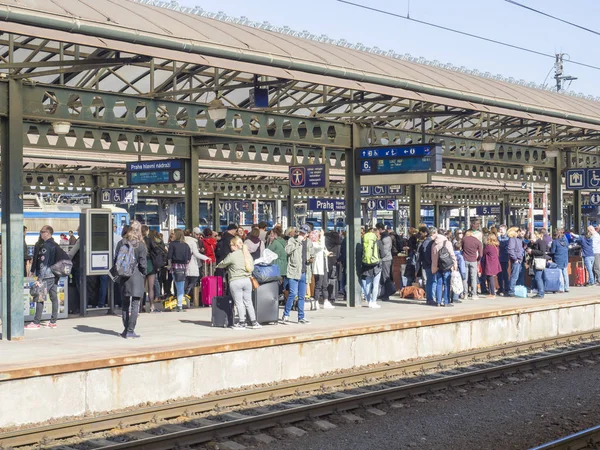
x=179 y=236
x=135 y=232
x=248 y=260
x=493 y=240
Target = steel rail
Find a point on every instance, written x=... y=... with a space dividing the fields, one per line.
x=577 y=441
x=106 y=422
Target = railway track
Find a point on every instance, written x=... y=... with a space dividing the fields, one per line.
x=586 y=439
x=236 y=413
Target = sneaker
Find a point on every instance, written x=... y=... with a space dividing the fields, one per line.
x=327 y=305
x=238 y=326
x=132 y=336
x=180 y=309
x=491 y=296
x=32 y=326
x=51 y=325
x=374 y=305
x=475 y=297
x=285 y=320
x=255 y=326
x=304 y=321
x=538 y=296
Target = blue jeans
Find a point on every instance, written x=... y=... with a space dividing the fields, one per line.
x=521 y=278
x=430 y=286
x=514 y=276
x=442 y=286
x=103 y=291
x=565 y=279
x=370 y=287
x=179 y=285
x=539 y=281
x=503 y=277
x=297 y=288
x=589 y=266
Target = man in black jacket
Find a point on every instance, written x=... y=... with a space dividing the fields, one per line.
x=43 y=259
x=223 y=249
x=386 y=257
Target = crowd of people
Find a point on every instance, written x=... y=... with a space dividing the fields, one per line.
x=449 y=265
x=479 y=257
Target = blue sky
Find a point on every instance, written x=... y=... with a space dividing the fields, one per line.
x=495 y=19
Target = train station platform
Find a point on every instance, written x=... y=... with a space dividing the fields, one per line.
x=85 y=367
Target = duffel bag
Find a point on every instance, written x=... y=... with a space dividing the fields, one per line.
x=266 y=274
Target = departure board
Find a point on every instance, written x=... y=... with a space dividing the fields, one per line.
x=399 y=159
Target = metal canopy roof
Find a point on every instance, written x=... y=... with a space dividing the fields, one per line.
x=238 y=47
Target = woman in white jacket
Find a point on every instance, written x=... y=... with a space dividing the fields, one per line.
x=192 y=273
x=320 y=270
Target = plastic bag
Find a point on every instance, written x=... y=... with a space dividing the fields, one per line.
x=268 y=257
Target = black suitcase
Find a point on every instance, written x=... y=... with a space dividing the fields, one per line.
x=266 y=302
x=222 y=311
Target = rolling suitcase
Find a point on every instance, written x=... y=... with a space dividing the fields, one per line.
x=211 y=286
x=552 y=280
x=266 y=302
x=580 y=274
x=222 y=311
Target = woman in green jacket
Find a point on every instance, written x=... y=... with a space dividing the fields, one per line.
x=277 y=245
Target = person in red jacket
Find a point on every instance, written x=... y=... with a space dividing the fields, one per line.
x=491 y=262
x=210 y=244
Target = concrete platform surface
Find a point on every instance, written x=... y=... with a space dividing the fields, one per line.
x=94 y=342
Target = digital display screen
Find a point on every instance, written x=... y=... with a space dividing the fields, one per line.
x=101 y=231
x=399 y=160
x=160 y=176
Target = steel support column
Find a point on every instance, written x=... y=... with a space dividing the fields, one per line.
x=353 y=217
x=437 y=222
x=11 y=153
x=216 y=217
x=577 y=216
x=505 y=210
x=290 y=209
x=192 y=203
x=415 y=205
x=556 y=204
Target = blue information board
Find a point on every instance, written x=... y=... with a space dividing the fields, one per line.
x=313 y=176
x=156 y=172
x=326 y=204
x=583 y=179
x=381 y=191
x=399 y=159
x=488 y=210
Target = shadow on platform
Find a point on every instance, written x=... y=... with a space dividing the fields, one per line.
x=87 y=329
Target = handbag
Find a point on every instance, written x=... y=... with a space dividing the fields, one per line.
x=539 y=263
x=255 y=283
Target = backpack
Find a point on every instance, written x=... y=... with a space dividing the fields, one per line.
x=445 y=261
x=456 y=283
x=158 y=256
x=125 y=262
x=370 y=254
x=63 y=265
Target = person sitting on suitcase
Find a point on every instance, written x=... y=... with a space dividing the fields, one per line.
x=239 y=264
x=300 y=257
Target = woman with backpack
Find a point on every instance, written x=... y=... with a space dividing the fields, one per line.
x=156 y=260
x=179 y=257
x=130 y=265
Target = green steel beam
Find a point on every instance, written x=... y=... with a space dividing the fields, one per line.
x=11 y=153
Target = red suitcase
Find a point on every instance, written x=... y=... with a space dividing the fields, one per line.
x=579 y=275
x=211 y=286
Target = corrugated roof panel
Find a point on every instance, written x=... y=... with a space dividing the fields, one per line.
x=258 y=51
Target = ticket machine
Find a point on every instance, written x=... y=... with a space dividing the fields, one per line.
x=96 y=250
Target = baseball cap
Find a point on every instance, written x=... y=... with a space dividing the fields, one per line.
x=196 y=230
x=304 y=229
x=232 y=226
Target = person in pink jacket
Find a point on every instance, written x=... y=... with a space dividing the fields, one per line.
x=443 y=262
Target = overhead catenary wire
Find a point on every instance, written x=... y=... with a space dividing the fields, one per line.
x=552 y=17
x=464 y=33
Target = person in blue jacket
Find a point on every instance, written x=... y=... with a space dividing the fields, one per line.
x=587 y=252
x=503 y=257
x=560 y=255
x=515 y=255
